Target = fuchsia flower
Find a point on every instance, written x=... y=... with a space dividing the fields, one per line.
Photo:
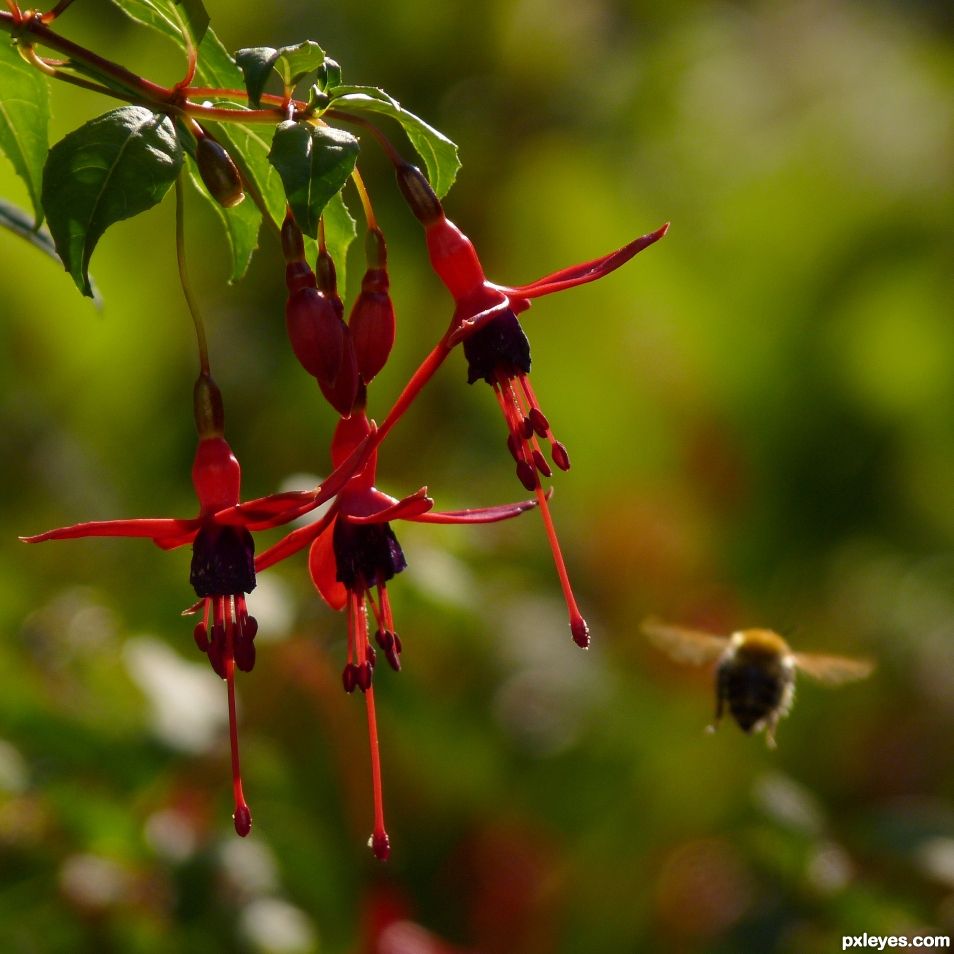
x=354 y=552
x=223 y=561
x=496 y=348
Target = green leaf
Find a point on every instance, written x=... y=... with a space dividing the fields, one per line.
x=314 y=163
x=340 y=231
x=111 y=168
x=196 y=17
x=256 y=64
x=437 y=151
x=24 y=116
x=17 y=221
x=247 y=145
x=296 y=62
x=216 y=67
x=169 y=17
x=292 y=63
x=241 y=222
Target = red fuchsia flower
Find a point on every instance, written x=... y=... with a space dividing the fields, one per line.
x=496 y=348
x=223 y=553
x=354 y=552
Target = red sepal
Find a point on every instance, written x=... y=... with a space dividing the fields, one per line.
x=588 y=271
x=324 y=569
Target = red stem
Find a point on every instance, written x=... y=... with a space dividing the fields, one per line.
x=38 y=31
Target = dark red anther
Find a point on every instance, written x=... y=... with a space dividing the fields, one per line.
x=385 y=639
x=560 y=457
x=417 y=192
x=580 y=631
x=526 y=428
x=381 y=845
x=515 y=446
x=539 y=422
x=364 y=676
x=244 y=651
x=542 y=464
x=201 y=637
x=317 y=332
x=249 y=627
x=218 y=172
x=392 y=650
x=216 y=650
x=527 y=474
x=349 y=677
x=243 y=820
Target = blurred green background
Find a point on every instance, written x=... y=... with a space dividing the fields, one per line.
x=760 y=413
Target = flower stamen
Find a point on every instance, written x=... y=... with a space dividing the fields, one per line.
x=242 y=816
x=358 y=635
x=578 y=626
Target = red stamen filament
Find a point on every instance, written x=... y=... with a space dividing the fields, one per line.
x=380 y=844
x=242 y=816
x=558 y=456
x=577 y=624
x=378 y=613
x=386 y=608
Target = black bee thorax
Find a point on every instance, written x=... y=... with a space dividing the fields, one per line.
x=755 y=692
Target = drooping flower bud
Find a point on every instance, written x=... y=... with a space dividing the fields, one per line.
x=218 y=172
x=420 y=197
x=343 y=392
x=340 y=389
x=207 y=407
x=316 y=330
x=372 y=318
x=293 y=244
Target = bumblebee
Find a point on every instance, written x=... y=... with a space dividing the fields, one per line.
x=755 y=671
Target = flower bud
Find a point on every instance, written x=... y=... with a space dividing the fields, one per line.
x=316 y=331
x=372 y=318
x=326 y=276
x=207 y=407
x=372 y=324
x=342 y=393
x=299 y=275
x=293 y=244
x=218 y=172
x=417 y=192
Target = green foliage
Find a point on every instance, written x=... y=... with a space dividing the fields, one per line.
x=437 y=151
x=297 y=164
x=172 y=18
x=109 y=169
x=296 y=62
x=291 y=63
x=314 y=162
x=24 y=117
x=256 y=64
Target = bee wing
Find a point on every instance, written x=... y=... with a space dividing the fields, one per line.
x=833 y=670
x=690 y=646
